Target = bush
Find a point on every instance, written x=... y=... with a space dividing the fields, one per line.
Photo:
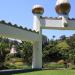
x=10 y=66
x=53 y=65
x=61 y=62
x=16 y=66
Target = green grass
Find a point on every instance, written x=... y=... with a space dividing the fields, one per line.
x=49 y=72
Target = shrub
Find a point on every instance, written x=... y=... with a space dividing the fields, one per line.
x=20 y=65
x=61 y=62
x=53 y=65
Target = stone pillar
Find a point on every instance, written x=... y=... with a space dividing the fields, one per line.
x=37 y=11
x=36 y=22
x=37 y=55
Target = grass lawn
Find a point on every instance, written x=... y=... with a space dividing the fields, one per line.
x=49 y=72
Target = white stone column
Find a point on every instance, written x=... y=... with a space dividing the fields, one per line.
x=37 y=11
x=37 y=45
x=36 y=22
x=37 y=53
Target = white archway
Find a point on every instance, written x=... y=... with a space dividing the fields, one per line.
x=60 y=23
x=39 y=23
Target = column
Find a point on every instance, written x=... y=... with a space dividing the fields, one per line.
x=37 y=53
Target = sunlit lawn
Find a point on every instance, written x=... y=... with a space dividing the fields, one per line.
x=49 y=72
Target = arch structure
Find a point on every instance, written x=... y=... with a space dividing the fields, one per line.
x=9 y=31
x=62 y=22
x=39 y=23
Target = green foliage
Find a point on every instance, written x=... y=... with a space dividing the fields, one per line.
x=3 y=49
x=26 y=48
x=63 y=46
x=50 y=52
x=53 y=65
x=16 y=63
x=53 y=50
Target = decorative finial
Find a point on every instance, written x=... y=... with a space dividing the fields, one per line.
x=62 y=7
x=37 y=9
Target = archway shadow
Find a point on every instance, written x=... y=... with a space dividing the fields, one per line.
x=11 y=72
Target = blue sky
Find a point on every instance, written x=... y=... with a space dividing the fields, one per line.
x=20 y=12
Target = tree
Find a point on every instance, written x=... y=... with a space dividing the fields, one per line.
x=63 y=37
x=26 y=48
x=63 y=48
x=71 y=41
x=45 y=40
x=50 y=52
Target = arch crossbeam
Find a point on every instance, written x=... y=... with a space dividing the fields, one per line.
x=16 y=33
